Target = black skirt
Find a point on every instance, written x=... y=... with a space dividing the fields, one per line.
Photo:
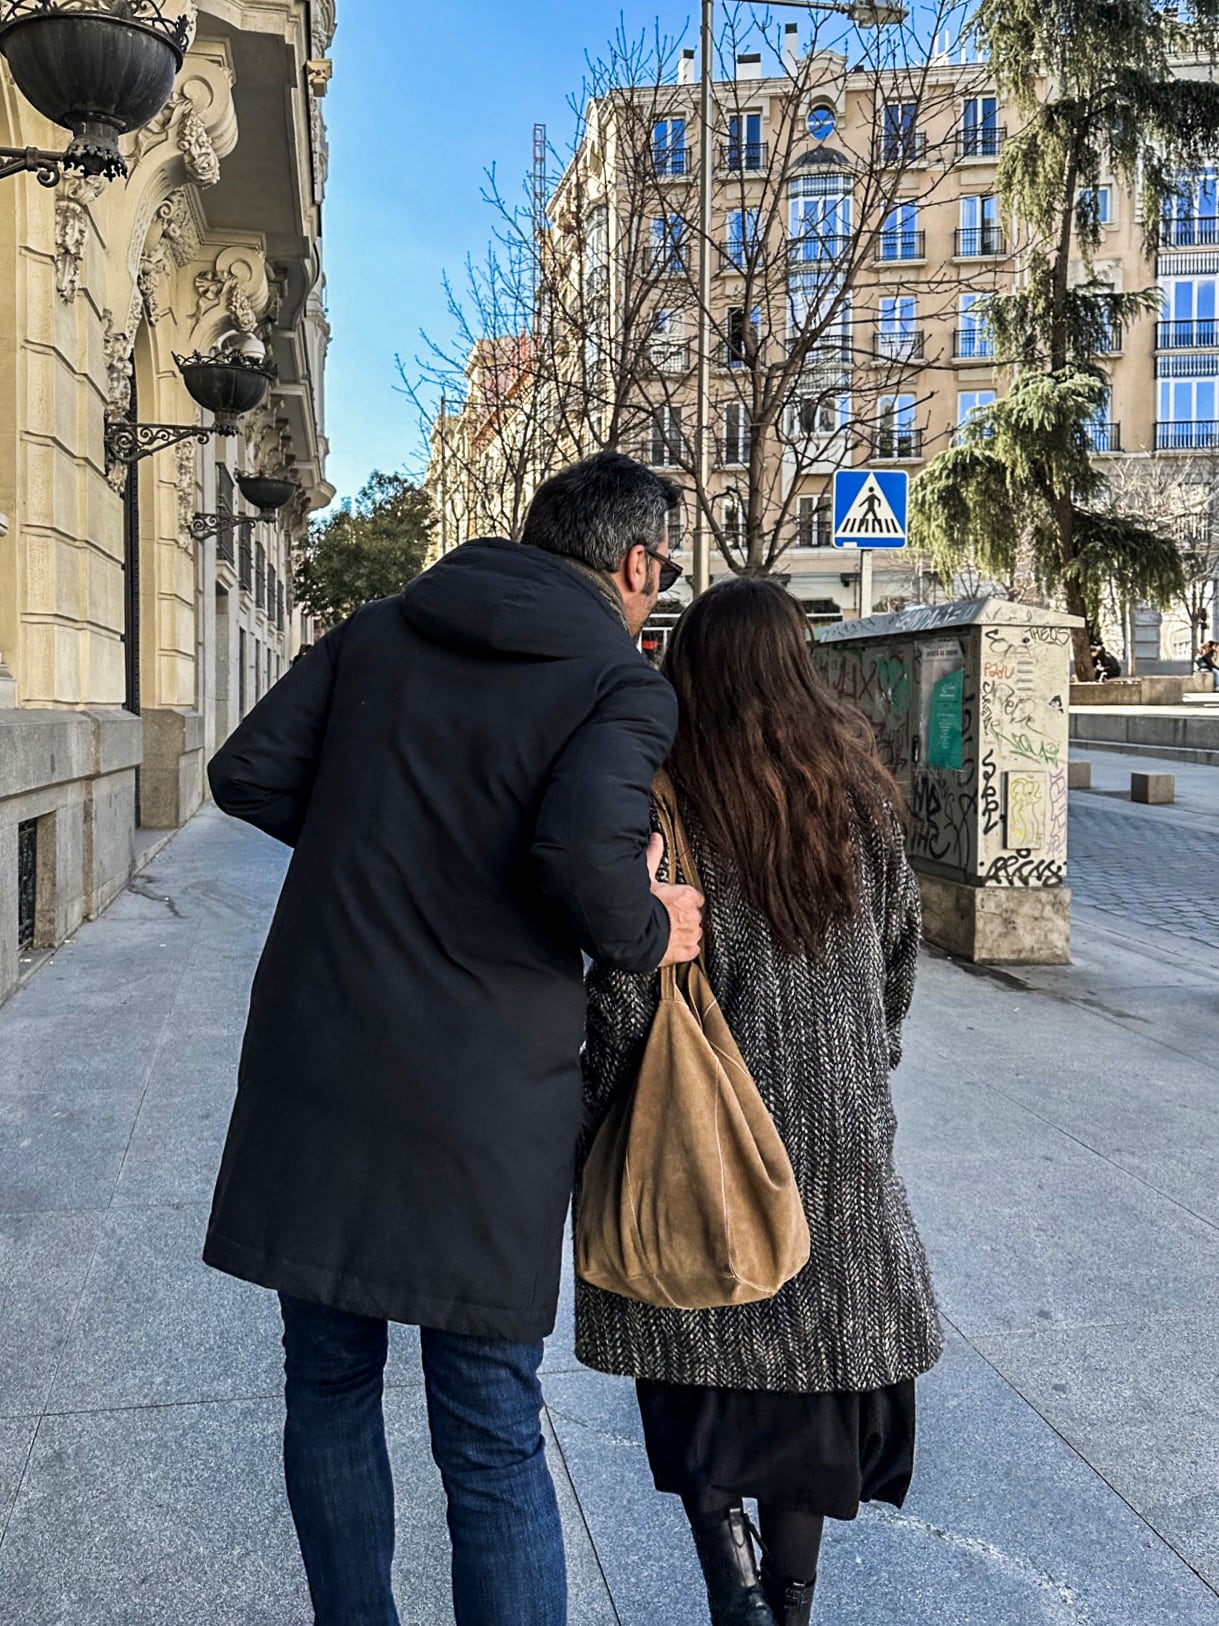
x=820 y=1453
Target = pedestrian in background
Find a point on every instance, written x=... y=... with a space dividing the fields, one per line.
x=804 y=1401
x=1208 y=661
x=462 y=773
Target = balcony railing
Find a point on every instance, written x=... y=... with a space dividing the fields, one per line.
x=901 y=245
x=260 y=576
x=1199 y=435
x=979 y=242
x=1200 y=335
x=734 y=451
x=743 y=157
x=669 y=356
x=224 y=544
x=980 y=141
x=891 y=344
x=1105 y=437
x=813 y=248
x=662 y=451
x=1190 y=231
x=279 y=606
x=898 y=445
x=972 y=344
x=899 y=147
x=671 y=162
x=741 y=252
x=827 y=350
x=245 y=563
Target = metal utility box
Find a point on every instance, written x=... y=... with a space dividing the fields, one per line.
x=969 y=705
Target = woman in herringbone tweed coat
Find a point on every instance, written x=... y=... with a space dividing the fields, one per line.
x=804 y=1401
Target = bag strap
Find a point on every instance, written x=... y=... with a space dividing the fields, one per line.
x=682 y=866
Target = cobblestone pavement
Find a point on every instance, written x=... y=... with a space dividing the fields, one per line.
x=1147 y=866
x=1154 y=876
x=1061 y=1147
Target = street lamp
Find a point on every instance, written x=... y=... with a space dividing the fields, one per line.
x=864 y=14
x=226 y=383
x=101 y=68
x=268 y=496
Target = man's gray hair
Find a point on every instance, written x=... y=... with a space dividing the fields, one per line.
x=598 y=510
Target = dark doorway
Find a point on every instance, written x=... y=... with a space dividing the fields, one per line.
x=27 y=884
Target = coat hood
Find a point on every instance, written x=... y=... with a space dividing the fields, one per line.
x=506 y=598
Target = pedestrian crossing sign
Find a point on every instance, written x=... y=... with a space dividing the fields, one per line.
x=870 y=508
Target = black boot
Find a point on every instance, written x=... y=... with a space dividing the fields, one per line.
x=791 y=1602
x=734 y=1588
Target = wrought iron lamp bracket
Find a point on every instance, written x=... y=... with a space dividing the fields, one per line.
x=128 y=442
x=48 y=166
x=205 y=525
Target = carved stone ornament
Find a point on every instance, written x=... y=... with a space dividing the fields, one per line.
x=173 y=239
x=72 y=231
x=186 y=493
x=117 y=345
x=202 y=162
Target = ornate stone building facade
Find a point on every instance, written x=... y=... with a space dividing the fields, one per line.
x=128 y=647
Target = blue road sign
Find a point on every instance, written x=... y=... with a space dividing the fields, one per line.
x=870 y=508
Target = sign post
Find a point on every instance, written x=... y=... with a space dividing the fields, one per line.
x=870 y=508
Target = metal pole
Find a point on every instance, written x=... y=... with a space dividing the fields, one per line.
x=702 y=437
x=865 y=583
x=444 y=477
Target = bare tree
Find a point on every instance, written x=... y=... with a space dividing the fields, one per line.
x=1180 y=497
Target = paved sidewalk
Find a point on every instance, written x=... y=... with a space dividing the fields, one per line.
x=1061 y=1143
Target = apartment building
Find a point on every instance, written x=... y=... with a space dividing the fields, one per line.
x=145 y=605
x=855 y=234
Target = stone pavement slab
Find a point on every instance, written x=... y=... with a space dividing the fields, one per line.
x=1058 y=1135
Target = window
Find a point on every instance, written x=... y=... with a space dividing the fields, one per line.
x=898 y=434
x=664 y=444
x=980 y=134
x=974 y=342
x=673 y=528
x=1190 y=303
x=736 y=434
x=1191 y=218
x=816 y=415
x=821 y=123
x=811 y=300
x=596 y=251
x=1095 y=203
x=667 y=348
x=815 y=521
x=1101 y=431
x=900 y=238
x=669 y=146
x=744 y=336
x=971 y=401
x=742 y=246
x=979 y=230
x=668 y=233
x=1189 y=401
x=899 y=138
x=732 y=520
x=745 y=148
x=897 y=337
x=820 y=217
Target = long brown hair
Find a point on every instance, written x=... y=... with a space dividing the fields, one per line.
x=778 y=771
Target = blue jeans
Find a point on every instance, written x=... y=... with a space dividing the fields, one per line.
x=484 y=1407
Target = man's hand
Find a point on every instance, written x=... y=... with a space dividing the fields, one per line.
x=685 y=909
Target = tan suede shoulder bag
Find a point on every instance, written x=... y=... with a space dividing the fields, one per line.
x=688 y=1199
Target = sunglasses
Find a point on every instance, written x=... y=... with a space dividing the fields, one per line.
x=670 y=571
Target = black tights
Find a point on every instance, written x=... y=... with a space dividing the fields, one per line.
x=791 y=1538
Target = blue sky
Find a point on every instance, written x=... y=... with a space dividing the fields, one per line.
x=424 y=97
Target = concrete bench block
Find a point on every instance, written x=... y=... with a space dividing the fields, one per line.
x=1079 y=776
x=1155 y=788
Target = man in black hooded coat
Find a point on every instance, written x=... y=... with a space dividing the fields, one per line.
x=463 y=774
